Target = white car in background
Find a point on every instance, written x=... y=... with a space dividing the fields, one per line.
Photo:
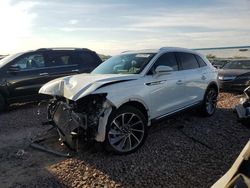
x=119 y=100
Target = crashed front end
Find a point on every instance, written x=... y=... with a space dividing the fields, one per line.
x=243 y=109
x=84 y=119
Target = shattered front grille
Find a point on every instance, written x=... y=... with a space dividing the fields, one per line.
x=63 y=119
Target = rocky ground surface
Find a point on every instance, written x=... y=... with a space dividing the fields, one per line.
x=184 y=151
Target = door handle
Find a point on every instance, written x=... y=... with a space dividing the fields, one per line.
x=203 y=77
x=155 y=83
x=44 y=74
x=75 y=70
x=179 y=82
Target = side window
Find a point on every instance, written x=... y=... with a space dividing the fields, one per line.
x=167 y=59
x=31 y=61
x=60 y=59
x=188 y=61
x=200 y=61
x=87 y=59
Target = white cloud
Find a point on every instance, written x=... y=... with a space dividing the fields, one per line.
x=105 y=28
x=218 y=18
x=73 y=29
x=16 y=23
x=73 y=22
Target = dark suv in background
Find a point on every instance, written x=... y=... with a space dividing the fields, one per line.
x=22 y=74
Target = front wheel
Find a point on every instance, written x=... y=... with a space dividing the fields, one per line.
x=126 y=130
x=209 y=102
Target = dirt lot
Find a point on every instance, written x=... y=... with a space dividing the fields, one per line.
x=185 y=151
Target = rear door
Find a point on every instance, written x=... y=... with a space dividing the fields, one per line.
x=61 y=63
x=193 y=83
x=87 y=61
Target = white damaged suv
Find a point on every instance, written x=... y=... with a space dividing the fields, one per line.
x=119 y=100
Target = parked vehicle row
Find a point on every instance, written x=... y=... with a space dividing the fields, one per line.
x=234 y=75
x=117 y=102
x=23 y=74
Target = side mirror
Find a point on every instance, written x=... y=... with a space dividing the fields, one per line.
x=161 y=69
x=14 y=68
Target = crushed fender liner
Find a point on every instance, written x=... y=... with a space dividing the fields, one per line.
x=82 y=120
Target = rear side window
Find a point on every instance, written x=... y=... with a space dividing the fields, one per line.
x=188 y=61
x=200 y=61
x=88 y=59
x=60 y=59
x=167 y=59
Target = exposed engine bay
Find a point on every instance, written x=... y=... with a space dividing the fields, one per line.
x=83 y=120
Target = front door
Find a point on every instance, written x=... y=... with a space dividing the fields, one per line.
x=28 y=77
x=165 y=90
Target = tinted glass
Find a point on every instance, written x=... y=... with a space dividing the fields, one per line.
x=241 y=64
x=124 y=64
x=167 y=59
x=188 y=61
x=32 y=61
x=200 y=61
x=8 y=59
x=88 y=59
x=60 y=59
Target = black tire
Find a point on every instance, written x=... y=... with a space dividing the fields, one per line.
x=134 y=131
x=2 y=103
x=210 y=98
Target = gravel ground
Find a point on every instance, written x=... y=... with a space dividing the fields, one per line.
x=184 y=151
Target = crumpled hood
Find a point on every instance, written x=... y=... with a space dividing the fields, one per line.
x=78 y=86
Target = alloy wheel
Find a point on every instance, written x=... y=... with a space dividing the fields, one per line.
x=126 y=132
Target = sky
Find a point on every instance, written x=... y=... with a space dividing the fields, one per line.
x=111 y=26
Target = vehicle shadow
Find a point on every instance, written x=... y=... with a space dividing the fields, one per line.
x=178 y=152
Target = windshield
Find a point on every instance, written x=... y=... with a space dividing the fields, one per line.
x=237 y=65
x=124 y=64
x=8 y=58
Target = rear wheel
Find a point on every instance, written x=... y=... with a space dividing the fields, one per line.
x=2 y=103
x=126 y=130
x=209 y=102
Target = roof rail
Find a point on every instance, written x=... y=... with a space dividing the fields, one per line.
x=127 y=51
x=163 y=48
x=62 y=48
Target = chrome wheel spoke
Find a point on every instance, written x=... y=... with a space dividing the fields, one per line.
x=135 y=123
x=129 y=142
x=117 y=125
x=116 y=139
x=114 y=132
x=137 y=130
x=130 y=119
x=123 y=119
x=135 y=137
x=122 y=143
